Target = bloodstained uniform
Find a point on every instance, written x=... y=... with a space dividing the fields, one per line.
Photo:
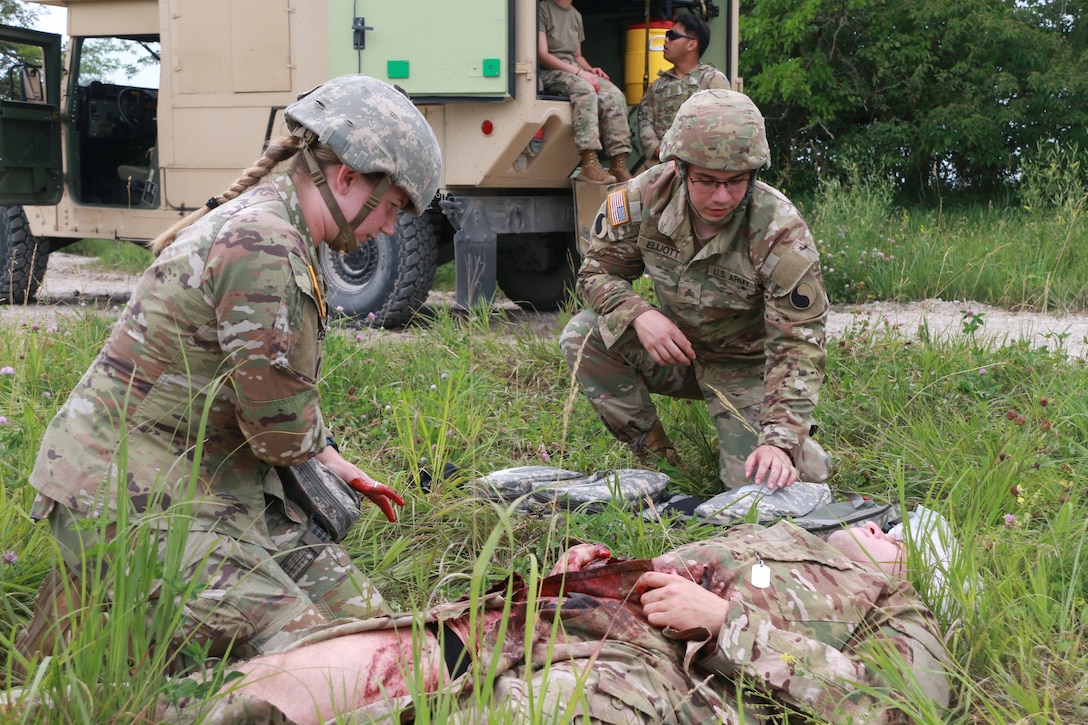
x=827 y=637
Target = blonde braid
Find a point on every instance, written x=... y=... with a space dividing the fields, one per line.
x=278 y=151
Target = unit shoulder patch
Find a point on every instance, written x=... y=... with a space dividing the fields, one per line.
x=598 y=225
x=803 y=295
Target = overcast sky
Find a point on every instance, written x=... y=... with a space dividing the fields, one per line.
x=52 y=20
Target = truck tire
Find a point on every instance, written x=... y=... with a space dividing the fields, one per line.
x=23 y=257
x=538 y=273
x=388 y=277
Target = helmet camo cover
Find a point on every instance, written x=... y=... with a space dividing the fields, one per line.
x=373 y=128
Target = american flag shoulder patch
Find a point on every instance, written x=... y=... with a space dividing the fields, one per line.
x=617 y=208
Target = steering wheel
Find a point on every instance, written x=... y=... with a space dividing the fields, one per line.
x=137 y=108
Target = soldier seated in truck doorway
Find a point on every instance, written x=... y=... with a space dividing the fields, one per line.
x=755 y=622
x=598 y=107
x=740 y=302
x=207 y=387
x=685 y=44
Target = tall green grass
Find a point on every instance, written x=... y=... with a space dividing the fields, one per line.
x=1025 y=255
x=993 y=437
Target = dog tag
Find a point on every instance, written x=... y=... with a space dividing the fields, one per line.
x=761 y=575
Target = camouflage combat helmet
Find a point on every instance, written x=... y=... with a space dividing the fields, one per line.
x=720 y=130
x=373 y=128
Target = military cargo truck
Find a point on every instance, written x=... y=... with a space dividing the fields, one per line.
x=81 y=157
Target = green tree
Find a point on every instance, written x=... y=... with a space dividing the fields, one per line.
x=16 y=12
x=14 y=56
x=950 y=92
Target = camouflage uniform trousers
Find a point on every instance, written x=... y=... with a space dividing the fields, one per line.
x=242 y=595
x=598 y=116
x=618 y=383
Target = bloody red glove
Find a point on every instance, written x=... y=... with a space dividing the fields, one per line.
x=379 y=494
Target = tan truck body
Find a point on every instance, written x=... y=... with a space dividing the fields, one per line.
x=506 y=212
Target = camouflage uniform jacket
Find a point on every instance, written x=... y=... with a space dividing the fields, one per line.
x=751 y=301
x=663 y=98
x=208 y=379
x=817 y=635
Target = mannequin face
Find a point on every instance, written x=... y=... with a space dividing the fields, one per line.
x=869 y=545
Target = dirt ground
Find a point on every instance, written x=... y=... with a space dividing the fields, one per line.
x=72 y=286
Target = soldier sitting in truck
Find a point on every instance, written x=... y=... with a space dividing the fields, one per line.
x=685 y=44
x=598 y=107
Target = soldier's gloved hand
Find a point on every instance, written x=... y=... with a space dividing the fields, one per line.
x=379 y=494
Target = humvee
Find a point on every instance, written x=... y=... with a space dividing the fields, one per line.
x=85 y=158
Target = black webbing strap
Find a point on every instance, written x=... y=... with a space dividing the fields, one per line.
x=453 y=649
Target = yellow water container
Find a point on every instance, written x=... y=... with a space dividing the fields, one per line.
x=639 y=45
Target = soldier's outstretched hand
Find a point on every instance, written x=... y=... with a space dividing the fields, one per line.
x=664 y=341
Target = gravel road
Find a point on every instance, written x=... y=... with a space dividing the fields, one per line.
x=72 y=286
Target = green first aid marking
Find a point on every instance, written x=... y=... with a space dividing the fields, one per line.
x=396 y=69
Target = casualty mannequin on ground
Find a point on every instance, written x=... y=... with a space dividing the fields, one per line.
x=685 y=44
x=740 y=305
x=672 y=639
x=598 y=107
x=208 y=382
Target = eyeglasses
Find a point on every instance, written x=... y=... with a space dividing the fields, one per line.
x=671 y=34
x=707 y=186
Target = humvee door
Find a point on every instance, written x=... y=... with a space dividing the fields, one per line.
x=30 y=145
x=430 y=48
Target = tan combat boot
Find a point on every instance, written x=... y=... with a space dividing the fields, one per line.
x=592 y=171
x=654 y=447
x=618 y=168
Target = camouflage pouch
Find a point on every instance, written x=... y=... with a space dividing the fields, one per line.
x=791 y=502
x=330 y=503
x=627 y=488
x=537 y=488
x=510 y=484
x=809 y=505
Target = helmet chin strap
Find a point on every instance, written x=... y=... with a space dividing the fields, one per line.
x=345 y=239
